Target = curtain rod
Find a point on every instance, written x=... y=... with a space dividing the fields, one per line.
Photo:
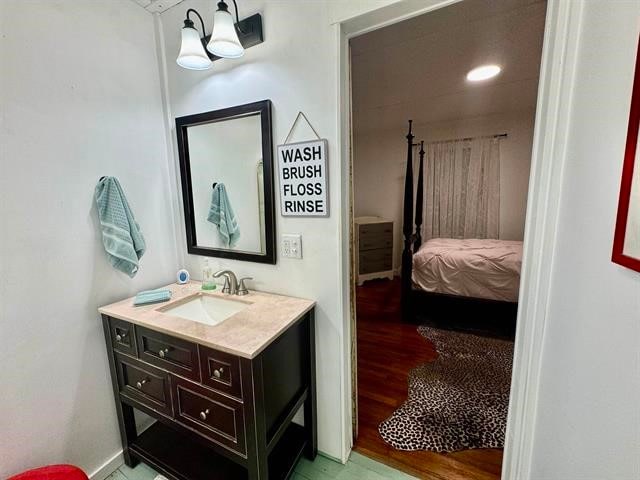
x=499 y=135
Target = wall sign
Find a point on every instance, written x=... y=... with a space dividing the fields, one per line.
x=303 y=179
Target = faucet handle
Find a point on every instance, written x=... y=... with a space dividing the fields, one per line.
x=227 y=287
x=242 y=288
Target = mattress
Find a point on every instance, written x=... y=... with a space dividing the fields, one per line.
x=488 y=269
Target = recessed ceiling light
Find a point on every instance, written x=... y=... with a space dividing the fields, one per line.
x=484 y=72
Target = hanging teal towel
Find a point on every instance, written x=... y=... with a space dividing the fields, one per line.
x=121 y=235
x=221 y=214
x=152 y=296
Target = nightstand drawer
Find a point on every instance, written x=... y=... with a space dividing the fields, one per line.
x=369 y=229
x=220 y=371
x=215 y=416
x=144 y=383
x=123 y=336
x=372 y=242
x=371 y=261
x=170 y=353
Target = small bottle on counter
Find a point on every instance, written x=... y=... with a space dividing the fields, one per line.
x=208 y=282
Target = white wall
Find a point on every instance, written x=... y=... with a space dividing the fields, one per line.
x=79 y=98
x=380 y=165
x=588 y=424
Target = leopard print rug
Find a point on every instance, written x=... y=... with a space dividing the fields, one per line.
x=457 y=402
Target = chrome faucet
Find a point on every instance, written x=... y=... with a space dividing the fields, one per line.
x=230 y=281
x=232 y=285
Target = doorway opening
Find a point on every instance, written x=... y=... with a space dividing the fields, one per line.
x=441 y=154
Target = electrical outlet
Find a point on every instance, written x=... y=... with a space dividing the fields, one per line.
x=291 y=246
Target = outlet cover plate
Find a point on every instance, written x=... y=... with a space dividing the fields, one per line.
x=291 y=245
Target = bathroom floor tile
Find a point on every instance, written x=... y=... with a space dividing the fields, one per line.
x=140 y=472
x=380 y=468
x=117 y=475
x=358 y=467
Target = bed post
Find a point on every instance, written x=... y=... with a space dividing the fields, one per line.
x=419 y=196
x=407 y=230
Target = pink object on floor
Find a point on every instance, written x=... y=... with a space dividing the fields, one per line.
x=52 y=472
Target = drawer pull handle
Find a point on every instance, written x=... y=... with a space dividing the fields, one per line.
x=163 y=352
x=203 y=414
x=141 y=383
x=218 y=372
x=121 y=336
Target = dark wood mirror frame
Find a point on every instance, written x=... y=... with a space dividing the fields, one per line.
x=182 y=124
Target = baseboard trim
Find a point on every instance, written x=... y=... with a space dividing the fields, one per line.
x=108 y=467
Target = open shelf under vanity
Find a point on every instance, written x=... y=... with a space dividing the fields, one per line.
x=179 y=455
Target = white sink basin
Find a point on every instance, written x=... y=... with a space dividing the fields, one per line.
x=207 y=309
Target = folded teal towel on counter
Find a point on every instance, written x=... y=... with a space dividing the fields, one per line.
x=221 y=214
x=152 y=296
x=121 y=235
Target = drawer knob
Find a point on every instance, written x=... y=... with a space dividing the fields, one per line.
x=121 y=336
x=218 y=372
x=141 y=382
x=203 y=414
x=163 y=352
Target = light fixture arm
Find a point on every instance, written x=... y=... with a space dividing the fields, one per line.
x=235 y=5
x=191 y=10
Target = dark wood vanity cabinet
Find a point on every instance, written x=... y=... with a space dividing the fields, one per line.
x=218 y=416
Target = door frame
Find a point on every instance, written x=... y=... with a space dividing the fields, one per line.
x=556 y=84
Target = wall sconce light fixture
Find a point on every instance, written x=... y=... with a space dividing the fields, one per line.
x=227 y=40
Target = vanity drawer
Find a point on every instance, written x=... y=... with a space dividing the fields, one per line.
x=123 y=336
x=220 y=371
x=215 y=416
x=173 y=354
x=144 y=383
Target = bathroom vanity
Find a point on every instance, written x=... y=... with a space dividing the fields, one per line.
x=223 y=376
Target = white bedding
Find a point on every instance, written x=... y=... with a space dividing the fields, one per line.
x=470 y=267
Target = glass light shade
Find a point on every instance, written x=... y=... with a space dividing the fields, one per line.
x=224 y=38
x=192 y=54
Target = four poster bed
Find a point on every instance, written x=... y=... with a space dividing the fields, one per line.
x=469 y=284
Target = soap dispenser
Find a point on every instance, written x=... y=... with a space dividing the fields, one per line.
x=208 y=282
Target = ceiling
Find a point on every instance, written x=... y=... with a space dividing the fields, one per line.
x=157 y=6
x=416 y=68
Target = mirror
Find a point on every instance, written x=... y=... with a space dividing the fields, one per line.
x=226 y=168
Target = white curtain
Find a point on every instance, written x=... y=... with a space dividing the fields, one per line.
x=462 y=189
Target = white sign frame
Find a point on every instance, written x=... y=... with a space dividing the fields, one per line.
x=315 y=177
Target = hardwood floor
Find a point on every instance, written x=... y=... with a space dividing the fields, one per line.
x=387 y=350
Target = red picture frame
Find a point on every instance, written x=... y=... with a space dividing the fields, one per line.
x=631 y=162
